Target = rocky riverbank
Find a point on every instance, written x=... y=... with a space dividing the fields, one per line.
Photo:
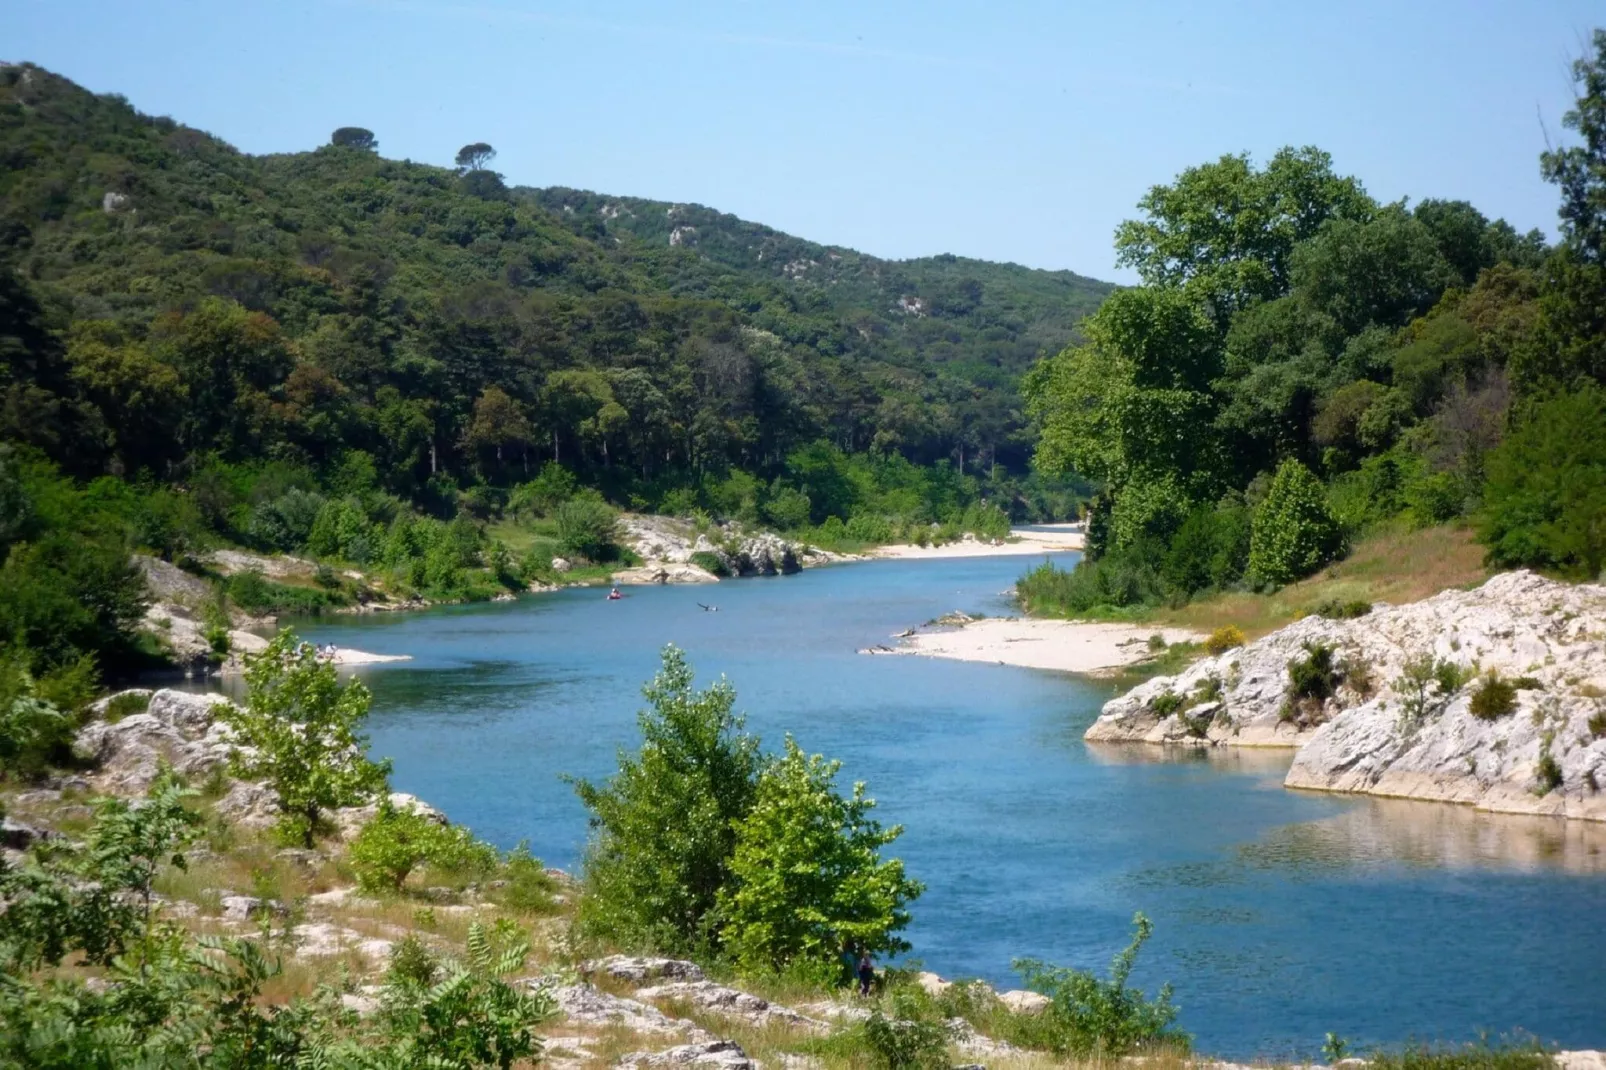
x=1493 y=697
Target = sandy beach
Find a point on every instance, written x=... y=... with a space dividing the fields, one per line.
x=1059 y=645
x=1049 y=539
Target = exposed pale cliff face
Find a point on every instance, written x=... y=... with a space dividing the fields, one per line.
x=1377 y=734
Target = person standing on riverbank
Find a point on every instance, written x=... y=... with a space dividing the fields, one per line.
x=866 y=973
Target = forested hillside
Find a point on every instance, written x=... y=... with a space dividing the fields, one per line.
x=369 y=361
x=1304 y=363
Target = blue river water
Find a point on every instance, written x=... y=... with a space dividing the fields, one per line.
x=1279 y=916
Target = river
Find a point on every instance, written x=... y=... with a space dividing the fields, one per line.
x=1279 y=916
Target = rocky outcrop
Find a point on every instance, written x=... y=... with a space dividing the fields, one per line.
x=177 y=727
x=584 y=1004
x=667 y=546
x=637 y=969
x=720 y=1054
x=1374 y=731
x=754 y=1010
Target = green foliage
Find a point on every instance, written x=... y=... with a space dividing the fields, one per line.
x=807 y=877
x=588 y=528
x=1479 y=1056
x=528 y=888
x=396 y=841
x=905 y=1039
x=1294 y=533
x=1425 y=685
x=302 y=731
x=252 y=593
x=1545 y=503
x=665 y=823
x=1495 y=697
x=1315 y=676
x=1547 y=770
x=1340 y=609
x=710 y=561
x=34 y=733
x=1106 y=1018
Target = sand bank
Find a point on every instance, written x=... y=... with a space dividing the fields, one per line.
x=1060 y=645
x=343 y=656
x=1049 y=539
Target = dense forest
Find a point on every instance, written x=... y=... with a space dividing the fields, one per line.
x=1303 y=364
x=365 y=360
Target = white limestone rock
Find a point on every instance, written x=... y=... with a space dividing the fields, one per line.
x=1366 y=739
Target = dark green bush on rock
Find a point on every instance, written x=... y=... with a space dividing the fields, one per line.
x=1294 y=532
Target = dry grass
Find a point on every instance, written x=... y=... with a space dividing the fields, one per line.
x=1395 y=566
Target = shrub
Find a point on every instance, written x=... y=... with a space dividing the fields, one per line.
x=1494 y=698
x=285 y=522
x=1424 y=685
x=1597 y=724
x=1294 y=533
x=1088 y=1016
x=126 y=705
x=529 y=888
x=252 y=593
x=1166 y=703
x=397 y=841
x=1338 y=609
x=301 y=730
x=1224 y=638
x=588 y=528
x=1547 y=770
x=908 y=1040
x=1479 y=1056
x=707 y=559
x=33 y=732
x=807 y=873
x=1313 y=676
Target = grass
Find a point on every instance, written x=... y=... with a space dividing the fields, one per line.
x=1395 y=565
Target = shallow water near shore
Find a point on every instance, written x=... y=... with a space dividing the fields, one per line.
x=1279 y=916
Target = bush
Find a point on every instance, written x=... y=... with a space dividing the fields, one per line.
x=1224 y=638
x=1547 y=770
x=1425 y=685
x=1314 y=676
x=1294 y=534
x=807 y=874
x=712 y=562
x=396 y=842
x=252 y=593
x=284 y=523
x=528 y=888
x=588 y=528
x=34 y=734
x=1166 y=703
x=1493 y=698
x=1090 y=1017
x=1479 y=1056
x=1113 y=581
x=553 y=486
x=1338 y=609
x=126 y=705
x=909 y=1039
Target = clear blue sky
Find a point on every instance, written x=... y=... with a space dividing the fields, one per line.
x=1019 y=131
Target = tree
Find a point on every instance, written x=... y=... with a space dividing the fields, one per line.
x=1382 y=270
x=298 y=731
x=498 y=421
x=588 y=528
x=1225 y=231
x=1580 y=170
x=664 y=825
x=354 y=137
x=474 y=157
x=1545 y=500
x=1294 y=533
x=808 y=877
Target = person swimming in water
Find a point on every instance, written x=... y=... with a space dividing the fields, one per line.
x=614 y=595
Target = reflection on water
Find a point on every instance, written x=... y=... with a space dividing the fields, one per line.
x=1279 y=915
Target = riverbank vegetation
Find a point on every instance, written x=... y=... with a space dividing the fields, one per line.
x=369 y=363
x=1305 y=368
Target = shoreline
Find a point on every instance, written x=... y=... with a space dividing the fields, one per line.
x=1022 y=542
x=1085 y=647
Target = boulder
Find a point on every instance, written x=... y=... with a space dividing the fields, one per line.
x=177 y=727
x=1021 y=1001
x=933 y=984
x=17 y=836
x=562 y=564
